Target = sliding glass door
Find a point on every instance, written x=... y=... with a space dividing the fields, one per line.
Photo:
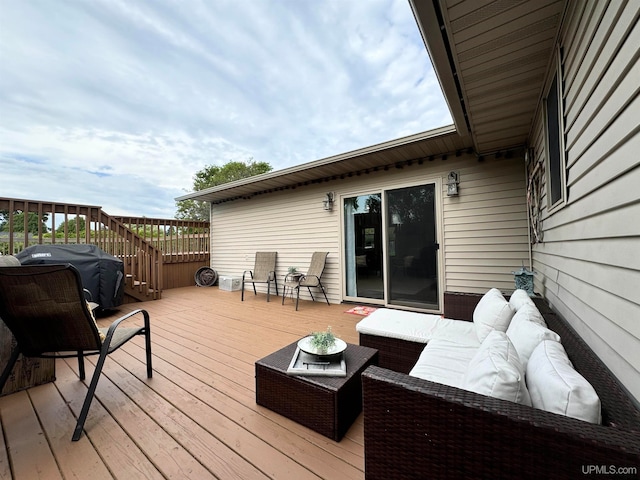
x=363 y=246
x=391 y=247
x=412 y=247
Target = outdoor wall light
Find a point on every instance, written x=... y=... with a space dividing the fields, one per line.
x=453 y=179
x=524 y=280
x=327 y=203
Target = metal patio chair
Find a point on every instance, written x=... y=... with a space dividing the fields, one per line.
x=264 y=271
x=309 y=279
x=44 y=306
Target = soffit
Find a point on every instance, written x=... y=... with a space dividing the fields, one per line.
x=491 y=57
x=407 y=150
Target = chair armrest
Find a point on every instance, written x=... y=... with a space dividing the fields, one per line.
x=112 y=328
x=414 y=428
x=89 y=299
x=303 y=279
x=245 y=272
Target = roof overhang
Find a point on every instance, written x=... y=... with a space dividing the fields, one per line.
x=491 y=59
x=414 y=148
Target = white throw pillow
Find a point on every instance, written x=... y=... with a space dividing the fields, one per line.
x=526 y=335
x=519 y=298
x=492 y=312
x=496 y=371
x=555 y=386
x=531 y=314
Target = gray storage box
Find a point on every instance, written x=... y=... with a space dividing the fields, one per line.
x=229 y=284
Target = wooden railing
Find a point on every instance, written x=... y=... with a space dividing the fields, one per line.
x=143 y=244
x=178 y=240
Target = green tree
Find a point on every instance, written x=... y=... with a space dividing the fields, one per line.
x=71 y=226
x=211 y=176
x=18 y=222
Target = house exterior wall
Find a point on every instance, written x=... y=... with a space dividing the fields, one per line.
x=483 y=231
x=588 y=263
x=485 y=227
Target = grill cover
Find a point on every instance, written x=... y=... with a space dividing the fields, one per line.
x=102 y=274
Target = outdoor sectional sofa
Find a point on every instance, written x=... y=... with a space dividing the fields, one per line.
x=416 y=428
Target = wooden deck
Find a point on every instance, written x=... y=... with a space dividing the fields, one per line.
x=197 y=417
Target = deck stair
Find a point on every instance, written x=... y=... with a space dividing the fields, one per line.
x=142 y=260
x=154 y=251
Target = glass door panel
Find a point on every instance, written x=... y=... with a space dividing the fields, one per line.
x=364 y=246
x=412 y=248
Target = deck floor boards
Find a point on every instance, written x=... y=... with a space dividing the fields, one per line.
x=197 y=417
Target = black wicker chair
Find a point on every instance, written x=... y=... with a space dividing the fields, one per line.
x=44 y=306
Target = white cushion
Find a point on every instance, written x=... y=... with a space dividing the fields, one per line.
x=444 y=361
x=526 y=335
x=416 y=327
x=495 y=370
x=492 y=312
x=519 y=298
x=9 y=261
x=410 y=326
x=530 y=313
x=458 y=331
x=555 y=386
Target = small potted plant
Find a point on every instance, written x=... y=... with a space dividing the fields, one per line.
x=323 y=341
x=293 y=274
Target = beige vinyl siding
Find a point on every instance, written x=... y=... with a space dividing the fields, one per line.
x=589 y=262
x=483 y=232
x=291 y=222
x=486 y=229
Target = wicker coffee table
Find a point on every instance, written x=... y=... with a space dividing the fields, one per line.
x=328 y=405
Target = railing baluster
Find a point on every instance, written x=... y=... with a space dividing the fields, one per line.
x=143 y=244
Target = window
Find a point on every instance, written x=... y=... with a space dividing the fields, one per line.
x=555 y=144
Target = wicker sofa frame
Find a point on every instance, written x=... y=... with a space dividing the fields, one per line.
x=414 y=428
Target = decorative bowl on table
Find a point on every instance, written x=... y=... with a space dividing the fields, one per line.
x=307 y=346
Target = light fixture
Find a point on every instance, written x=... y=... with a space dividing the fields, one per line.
x=524 y=280
x=327 y=203
x=453 y=179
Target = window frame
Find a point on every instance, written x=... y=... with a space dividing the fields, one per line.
x=554 y=139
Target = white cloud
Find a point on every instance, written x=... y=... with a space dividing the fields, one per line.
x=119 y=103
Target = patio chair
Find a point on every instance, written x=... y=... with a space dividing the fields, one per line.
x=264 y=271
x=11 y=261
x=45 y=308
x=309 y=279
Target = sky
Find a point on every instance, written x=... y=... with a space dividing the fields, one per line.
x=118 y=103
